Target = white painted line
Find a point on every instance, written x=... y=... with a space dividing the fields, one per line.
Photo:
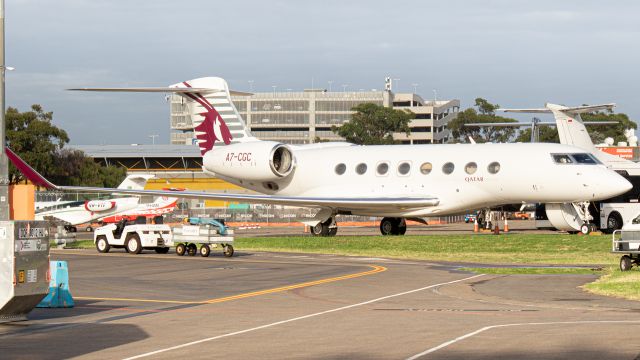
x=298 y=318
x=486 y=328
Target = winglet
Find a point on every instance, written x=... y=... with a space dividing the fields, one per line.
x=28 y=171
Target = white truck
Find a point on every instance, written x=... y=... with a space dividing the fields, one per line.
x=613 y=216
x=133 y=238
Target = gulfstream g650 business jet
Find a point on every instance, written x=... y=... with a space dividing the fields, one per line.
x=395 y=182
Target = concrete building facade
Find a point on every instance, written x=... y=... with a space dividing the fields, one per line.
x=307 y=116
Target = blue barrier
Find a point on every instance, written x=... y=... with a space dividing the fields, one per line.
x=59 y=294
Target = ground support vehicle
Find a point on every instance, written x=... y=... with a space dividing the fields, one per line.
x=626 y=242
x=207 y=235
x=613 y=216
x=133 y=238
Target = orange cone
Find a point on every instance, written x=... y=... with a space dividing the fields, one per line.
x=475 y=225
x=506 y=225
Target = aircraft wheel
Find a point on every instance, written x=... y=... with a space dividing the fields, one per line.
x=133 y=244
x=402 y=227
x=585 y=229
x=320 y=229
x=333 y=231
x=102 y=245
x=205 y=250
x=181 y=249
x=228 y=251
x=388 y=226
x=625 y=263
x=88 y=229
x=192 y=249
x=162 y=250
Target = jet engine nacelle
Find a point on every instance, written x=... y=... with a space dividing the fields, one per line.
x=258 y=161
x=99 y=205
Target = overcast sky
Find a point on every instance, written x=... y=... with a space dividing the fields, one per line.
x=514 y=53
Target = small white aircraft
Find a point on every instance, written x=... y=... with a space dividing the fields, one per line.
x=396 y=182
x=80 y=212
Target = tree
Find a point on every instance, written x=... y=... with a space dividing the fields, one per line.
x=484 y=114
x=35 y=139
x=616 y=131
x=374 y=125
x=32 y=136
x=75 y=168
x=547 y=134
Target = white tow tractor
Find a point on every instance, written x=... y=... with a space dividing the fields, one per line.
x=133 y=237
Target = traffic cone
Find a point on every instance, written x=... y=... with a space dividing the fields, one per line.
x=306 y=229
x=475 y=225
x=506 y=225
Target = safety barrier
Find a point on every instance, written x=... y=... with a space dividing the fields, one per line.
x=59 y=294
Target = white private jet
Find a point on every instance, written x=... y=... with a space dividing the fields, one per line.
x=396 y=182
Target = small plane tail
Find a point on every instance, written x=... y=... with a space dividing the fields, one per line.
x=571 y=128
x=135 y=181
x=205 y=104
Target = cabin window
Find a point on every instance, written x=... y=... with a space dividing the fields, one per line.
x=471 y=168
x=561 y=159
x=584 y=159
x=361 y=168
x=404 y=168
x=636 y=220
x=340 y=169
x=426 y=168
x=494 y=167
x=448 y=168
x=383 y=168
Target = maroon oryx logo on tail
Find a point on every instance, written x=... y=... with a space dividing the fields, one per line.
x=212 y=128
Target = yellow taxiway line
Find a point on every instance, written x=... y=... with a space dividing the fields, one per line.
x=374 y=270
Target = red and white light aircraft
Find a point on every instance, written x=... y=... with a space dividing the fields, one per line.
x=396 y=182
x=73 y=213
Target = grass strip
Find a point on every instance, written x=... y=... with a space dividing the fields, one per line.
x=533 y=271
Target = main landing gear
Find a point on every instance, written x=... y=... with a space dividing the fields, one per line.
x=393 y=226
x=325 y=228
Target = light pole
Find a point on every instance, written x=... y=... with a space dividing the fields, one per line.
x=415 y=88
x=153 y=138
x=435 y=95
x=250 y=85
x=344 y=87
x=274 y=89
x=330 y=82
x=4 y=166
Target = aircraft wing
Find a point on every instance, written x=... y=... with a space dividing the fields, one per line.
x=316 y=202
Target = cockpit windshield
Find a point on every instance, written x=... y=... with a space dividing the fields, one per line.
x=575 y=159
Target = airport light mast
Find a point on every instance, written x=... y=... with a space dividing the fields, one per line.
x=4 y=165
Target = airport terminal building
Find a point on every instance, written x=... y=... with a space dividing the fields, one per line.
x=307 y=116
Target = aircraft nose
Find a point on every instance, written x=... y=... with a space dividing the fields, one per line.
x=614 y=185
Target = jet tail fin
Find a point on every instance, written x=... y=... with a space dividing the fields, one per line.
x=135 y=181
x=205 y=104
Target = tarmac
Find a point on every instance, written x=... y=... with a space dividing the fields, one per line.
x=281 y=306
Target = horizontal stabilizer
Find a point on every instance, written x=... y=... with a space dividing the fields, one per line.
x=177 y=90
x=573 y=110
x=509 y=124
x=526 y=111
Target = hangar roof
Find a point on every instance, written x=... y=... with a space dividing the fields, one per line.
x=138 y=151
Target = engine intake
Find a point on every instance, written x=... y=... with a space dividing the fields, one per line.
x=260 y=161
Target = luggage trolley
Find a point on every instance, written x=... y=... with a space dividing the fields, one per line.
x=207 y=233
x=626 y=242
